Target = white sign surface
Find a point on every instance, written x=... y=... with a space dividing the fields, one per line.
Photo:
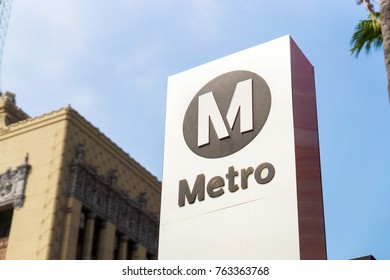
x=229 y=182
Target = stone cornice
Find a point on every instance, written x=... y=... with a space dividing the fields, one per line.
x=68 y=113
x=114 y=149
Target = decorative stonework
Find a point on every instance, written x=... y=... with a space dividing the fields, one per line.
x=102 y=195
x=13 y=184
x=9 y=112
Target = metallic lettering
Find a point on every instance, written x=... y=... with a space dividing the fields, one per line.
x=197 y=191
x=244 y=176
x=259 y=170
x=214 y=187
x=230 y=176
x=263 y=174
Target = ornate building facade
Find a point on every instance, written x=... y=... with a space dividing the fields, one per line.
x=68 y=192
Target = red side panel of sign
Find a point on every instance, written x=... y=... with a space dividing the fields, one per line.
x=309 y=187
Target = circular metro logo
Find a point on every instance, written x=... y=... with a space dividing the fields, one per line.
x=227 y=114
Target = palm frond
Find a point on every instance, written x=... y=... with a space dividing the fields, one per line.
x=368 y=35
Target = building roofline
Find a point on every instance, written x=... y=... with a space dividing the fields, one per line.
x=74 y=116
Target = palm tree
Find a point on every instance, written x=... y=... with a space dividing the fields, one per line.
x=369 y=6
x=374 y=32
x=367 y=34
x=385 y=26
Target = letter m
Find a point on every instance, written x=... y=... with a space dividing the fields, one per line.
x=197 y=191
x=208 y=112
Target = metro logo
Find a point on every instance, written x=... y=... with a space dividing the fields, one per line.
x=215 y=187
x=227 y=114
x=208 y=112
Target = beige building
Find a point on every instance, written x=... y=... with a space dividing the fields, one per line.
x=68 y=192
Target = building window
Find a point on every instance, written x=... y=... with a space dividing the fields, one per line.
x=151 y=256
x=96 y=234
x=131 y=248
x=5 y=227
x=5 y=222
x=116 y=246
x=80 y=237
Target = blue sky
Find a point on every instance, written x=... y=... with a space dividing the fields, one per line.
x=110 y=60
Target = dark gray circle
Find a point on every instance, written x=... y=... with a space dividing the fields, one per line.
x=223 y=88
